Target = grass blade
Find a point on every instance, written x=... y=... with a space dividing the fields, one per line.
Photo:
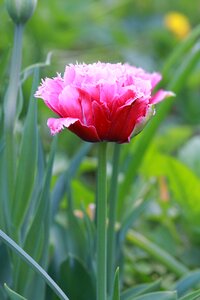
x=26 y=164
x=13 y=295
x=158 y=253
x=140 y=290
x=33 y=264
x=187 y=282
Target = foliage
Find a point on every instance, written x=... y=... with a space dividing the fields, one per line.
x=47 y=187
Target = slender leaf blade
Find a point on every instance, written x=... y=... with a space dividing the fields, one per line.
x=187 y=282
x=33 y=264
x=116 y=288
x=27 y=161
x=157 y=252
x=37 y=246
x=157 y=296
x=74 y=272
x=140 y=290
x=191 y=296
x=13 y=295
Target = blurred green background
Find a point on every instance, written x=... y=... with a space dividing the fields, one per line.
x=87 y=31
x=120 y=30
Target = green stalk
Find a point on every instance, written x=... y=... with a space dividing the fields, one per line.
x=12 y=92
x=158 y=253
x=101 y=224
x=112 y=218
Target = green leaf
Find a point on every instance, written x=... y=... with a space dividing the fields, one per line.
x=76 y=236
x=140 y=290
x=187 y=282
x=77 y=159
x=189 y=154
x=131 y=218
x=33 y=264
x=27 y=161
x=31 y=69
x=158 y=253
x=62 y=184
x=13 y=295
x=82 y=193
x=183 y=183
x=37 y=190
x=2 y=145
x=191 y=296
x=157 y=296
x=116 y=288
x=177 y=135
x=39 y=227
x=5 y=262
x=20 y=102
x=5 y=218
x=185 y=186
x=75 y=279
x=2 y=292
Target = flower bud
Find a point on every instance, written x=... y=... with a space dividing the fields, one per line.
x=21 y=10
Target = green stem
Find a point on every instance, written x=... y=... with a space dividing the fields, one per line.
x=112 y=218
x=158 y=253
x=12 y=92
x=101 y=223
x=33 y=264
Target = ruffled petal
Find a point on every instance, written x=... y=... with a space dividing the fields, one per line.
x=101 y=122
x=155 y=78
x=69 y=103
x=127 y=97
x=49 y=91
x=107 y=93
x=57 y=125
x=86 y=107
x=87 y=133
x=69 y=75
x=125 y=119
x=160 y=96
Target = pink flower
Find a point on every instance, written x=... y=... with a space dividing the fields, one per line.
x=101 y=101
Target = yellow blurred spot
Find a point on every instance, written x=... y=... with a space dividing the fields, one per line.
x=178 y=24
